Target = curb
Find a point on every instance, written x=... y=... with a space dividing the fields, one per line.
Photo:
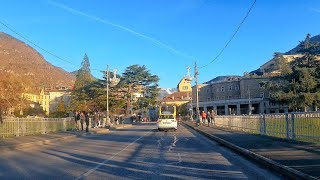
x=48 y=141
x=282 y=169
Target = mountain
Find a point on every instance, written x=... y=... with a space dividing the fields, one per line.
x=298 y=47
x=270 y=67
x=17 y=59
x=166 y=91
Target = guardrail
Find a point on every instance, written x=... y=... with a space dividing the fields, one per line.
x=297 y=126
x=31 y=126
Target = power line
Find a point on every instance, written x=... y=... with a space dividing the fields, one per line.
x=233 y=35
x=36 y=45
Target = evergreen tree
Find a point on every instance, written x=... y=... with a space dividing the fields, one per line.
x=80 y=95
x=299 y=84
x=282 y=65
x=137 y=78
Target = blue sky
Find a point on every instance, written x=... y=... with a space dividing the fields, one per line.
x=164 y=35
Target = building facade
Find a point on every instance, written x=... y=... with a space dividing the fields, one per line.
x=235 y=95
x=49 y=99
x=181 y=97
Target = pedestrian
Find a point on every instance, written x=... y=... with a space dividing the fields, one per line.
x=213 y=120
x=87 y=121
x=95 y=119
x=209 y=118
x=77 y=119
x=100 y=120
x=204 y=117
x=82 y=119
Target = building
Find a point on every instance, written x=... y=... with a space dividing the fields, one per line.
x=49 y=99
x=181 y=97
x=184 y=85
x=235 y=95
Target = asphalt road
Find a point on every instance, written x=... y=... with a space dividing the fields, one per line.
x=140 y=152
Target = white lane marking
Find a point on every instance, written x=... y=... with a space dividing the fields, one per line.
x=107 y=160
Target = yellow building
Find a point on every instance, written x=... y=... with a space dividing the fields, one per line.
x=183 y=95
x=48 y=100
x=184 y=85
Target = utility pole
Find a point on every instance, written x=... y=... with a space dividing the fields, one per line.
x=110 y=82
x=108 y=78
x=196 y=73
x=250 y=108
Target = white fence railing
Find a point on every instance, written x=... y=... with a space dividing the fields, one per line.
x=300 y=126
x=30 y=126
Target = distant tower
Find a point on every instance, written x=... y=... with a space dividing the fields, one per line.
x=188 y=76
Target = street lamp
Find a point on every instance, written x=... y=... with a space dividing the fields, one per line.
x=113 y=81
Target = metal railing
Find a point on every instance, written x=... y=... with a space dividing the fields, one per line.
x=31 y=126
x=297 y=126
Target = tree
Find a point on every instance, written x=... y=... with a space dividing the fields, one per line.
x=309 y=50
x=61 y=107
x=80 y=94
x=11 y=89
x=282 y=65
x=299 y=85
x=137 y=78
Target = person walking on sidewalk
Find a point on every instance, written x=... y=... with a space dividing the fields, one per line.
x=87 y=121
x=82 y=119
x=77 y=119
x=204 y=117
x=213 y=120
x=209 y=118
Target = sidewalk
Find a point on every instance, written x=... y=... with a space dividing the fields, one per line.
x=119 y=126
x=43 y=139
x=298 y=160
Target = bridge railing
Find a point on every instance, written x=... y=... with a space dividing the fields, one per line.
x=31 y=126
x=299 y=126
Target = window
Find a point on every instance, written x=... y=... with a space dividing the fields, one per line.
x=217 y=98
x=222 y=88
x=262 y=94
x=208 y=99
x=261 y=85
x=207 y=90
x=237 y=96
x=230 y=88
x=218 y=89
x=222 y=97
x=185 y=87
x=236 y=87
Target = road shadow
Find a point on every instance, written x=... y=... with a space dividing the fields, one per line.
x=303 y=156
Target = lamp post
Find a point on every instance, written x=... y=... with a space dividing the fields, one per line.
x=113 y=81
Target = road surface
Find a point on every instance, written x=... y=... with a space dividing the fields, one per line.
x=140 y=152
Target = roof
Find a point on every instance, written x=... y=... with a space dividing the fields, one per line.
x=177 y=96
x=223 y=79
